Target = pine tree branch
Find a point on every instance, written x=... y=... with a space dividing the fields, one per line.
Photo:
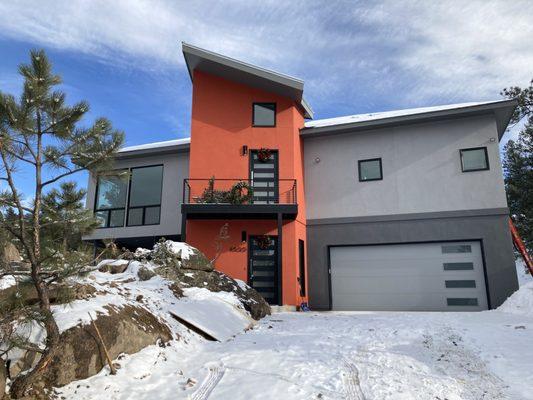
x=22 y=224
x=64 y=175
x=13 y=154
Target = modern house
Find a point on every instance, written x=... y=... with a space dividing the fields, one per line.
x=402 y=210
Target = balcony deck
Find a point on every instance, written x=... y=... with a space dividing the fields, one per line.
x=239 y=199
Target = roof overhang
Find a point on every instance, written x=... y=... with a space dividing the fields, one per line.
x=155 y=149
x=502 y=111
x=200 y=59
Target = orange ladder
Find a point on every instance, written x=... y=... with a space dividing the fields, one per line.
x=520 y=246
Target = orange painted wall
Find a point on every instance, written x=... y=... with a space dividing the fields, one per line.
x=221 y=124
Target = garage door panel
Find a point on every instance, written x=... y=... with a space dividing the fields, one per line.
x=424 y=276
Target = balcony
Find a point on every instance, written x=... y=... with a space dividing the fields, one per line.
x=239 y=198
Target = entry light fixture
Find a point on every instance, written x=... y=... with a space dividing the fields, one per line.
x=244 y=150
x=243 y=236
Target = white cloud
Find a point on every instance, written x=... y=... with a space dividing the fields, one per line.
x=351 y=54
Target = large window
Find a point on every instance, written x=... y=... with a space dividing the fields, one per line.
x=370 y=170
x=264 y=114
x=129 y=196
x=111 y=195
x=475 y=159
x=145 y=195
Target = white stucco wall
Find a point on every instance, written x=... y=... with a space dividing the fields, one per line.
x=421 y=170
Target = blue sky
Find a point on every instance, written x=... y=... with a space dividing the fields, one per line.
x=124 y=57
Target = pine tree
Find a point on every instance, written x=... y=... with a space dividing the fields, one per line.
x=64 y=218
x=40 y=131
x=518 y=164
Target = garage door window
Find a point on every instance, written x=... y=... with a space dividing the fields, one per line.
x=456 y=248
x=460 y=284
x=458 y=266
x=462 y=301
x=370 y=170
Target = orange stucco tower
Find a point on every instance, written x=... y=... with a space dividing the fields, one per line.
x=244 y=202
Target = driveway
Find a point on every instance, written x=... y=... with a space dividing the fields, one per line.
x=484 y=355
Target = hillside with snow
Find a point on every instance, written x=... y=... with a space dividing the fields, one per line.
x=311 y=355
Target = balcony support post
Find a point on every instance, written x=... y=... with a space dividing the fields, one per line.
x=183 y=236
x=280 y=269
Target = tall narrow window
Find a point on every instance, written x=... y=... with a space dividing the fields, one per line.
x=145 y=195
x=111 y=199
x=301 y=250
x=475 y=159
x=264 y=114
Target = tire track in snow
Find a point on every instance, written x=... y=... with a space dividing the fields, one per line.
x=216 y=372
x=350 y=379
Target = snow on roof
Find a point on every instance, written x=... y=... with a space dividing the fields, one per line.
x=156 y=145
x=350 y=119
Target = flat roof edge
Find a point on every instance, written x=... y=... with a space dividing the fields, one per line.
x=493 y=107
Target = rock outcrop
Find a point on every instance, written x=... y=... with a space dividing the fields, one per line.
x=124 y=330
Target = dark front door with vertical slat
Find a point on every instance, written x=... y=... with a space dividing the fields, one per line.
x=263 y=270
x=264 y=178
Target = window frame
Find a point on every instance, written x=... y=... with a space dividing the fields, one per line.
x=359 y=162
x=110 y=209
x=264 y=103
x=484 y=148
x=127 y=207
x=145 y=206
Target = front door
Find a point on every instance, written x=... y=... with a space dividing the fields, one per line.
x=263 y=268
x=264 y=177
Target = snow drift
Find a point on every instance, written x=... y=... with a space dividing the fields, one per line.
x=520 y=302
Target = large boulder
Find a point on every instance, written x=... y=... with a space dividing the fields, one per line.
x=176 y=255
x=187 y=266
x=26 y=293
x=196 y=260
x=9 y=254
x=216 y=281
x=113 y=266
x=128 y=330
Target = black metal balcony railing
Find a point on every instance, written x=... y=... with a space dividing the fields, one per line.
x=239 y=191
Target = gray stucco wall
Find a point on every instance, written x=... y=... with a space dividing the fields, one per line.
x=421 y=170
x=488 y=225
x=175 y=169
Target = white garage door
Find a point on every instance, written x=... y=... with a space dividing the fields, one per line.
x=411 y=277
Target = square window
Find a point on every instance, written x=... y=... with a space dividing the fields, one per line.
x=264 y=114
x=370 y=170
x=475 y=159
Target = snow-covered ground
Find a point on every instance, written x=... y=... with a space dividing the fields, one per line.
x=332 y=355
x=522 y=273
